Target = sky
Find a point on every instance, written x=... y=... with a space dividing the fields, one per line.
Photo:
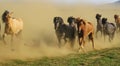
x=65 y=1
x=82 y=1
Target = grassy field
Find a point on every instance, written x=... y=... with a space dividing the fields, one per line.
x=105 y=57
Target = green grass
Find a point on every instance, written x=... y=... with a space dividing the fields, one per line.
x=105 y=57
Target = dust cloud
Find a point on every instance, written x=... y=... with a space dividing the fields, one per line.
x=39 y=39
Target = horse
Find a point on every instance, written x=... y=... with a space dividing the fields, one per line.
x=108 y=29
x=117 y=21
x=71 y=30
x=99 y=24
x=85 y=29
x=63 y=31
x=13 y=26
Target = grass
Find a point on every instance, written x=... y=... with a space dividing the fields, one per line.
x=105 y=57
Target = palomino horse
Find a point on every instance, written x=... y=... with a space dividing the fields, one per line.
x=108 y=29
x=64 y=31
x=84 y=29
x=13 y=26
x=117 y=21
x=99 y=24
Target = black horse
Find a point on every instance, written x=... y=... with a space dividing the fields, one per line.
x=108 y=29
x=99 y=24
x=64 y=31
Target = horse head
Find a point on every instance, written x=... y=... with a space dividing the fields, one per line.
x=57 y=22
x=116 y=16
x=104 y=21
x=98 y=16
x=80 y=23
x=6 y=15
x=71 y=20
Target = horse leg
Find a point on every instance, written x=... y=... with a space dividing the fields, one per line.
x=119 y=28
x=81 y=40
x=59 y=40
x=96 y=32
x=101 y=32
x=12 y=37
x=19 y=35
x=92 y=40
x=82 y=46
x=104 y=35
x=65 y=39
x=109 y=38
x=3 y=37
x=72 y=42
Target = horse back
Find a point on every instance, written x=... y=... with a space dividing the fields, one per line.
x=112 y=24
x=16 y=25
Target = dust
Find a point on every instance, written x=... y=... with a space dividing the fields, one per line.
x=39 y=39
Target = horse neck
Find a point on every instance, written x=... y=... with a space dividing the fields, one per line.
x=8 y=22
x=99 y=22
x=71 y=24
x=117 y=20
x=104 y=25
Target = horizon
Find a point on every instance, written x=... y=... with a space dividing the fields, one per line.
x=63 y=2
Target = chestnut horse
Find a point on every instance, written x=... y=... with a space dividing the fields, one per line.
x=85 y=29
x=117 y=21
x=13 y=26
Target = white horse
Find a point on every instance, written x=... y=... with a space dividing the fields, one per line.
x=13 y=26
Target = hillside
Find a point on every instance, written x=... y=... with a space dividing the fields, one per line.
x=105 y=57
x=118 y=2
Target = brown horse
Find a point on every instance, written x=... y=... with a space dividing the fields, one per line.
x=84 y=29
x=117 y=21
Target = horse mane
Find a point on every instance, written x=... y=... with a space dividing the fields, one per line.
x=4 y=18
x=84 y=21
x=89 y=23
x=112 y=24
x=54 y=19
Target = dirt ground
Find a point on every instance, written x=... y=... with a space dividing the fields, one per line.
x=39 y=37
